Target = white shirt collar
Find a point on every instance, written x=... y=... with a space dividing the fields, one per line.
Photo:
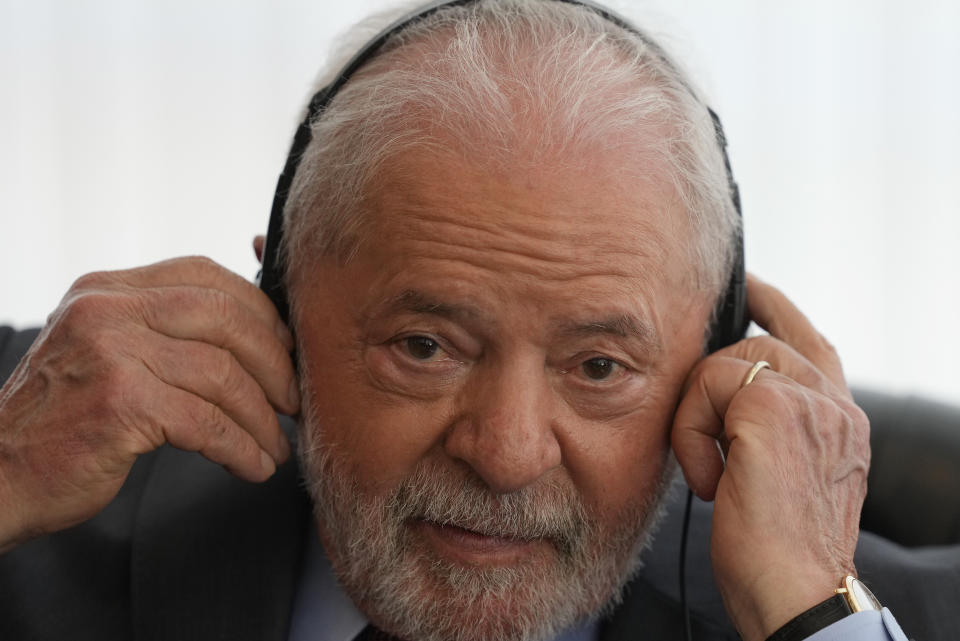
x=322 y=611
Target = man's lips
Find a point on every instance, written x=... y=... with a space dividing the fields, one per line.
x=470 y=547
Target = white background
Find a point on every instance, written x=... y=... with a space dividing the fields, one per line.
x=134 y=131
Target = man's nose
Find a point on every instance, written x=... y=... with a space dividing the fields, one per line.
x=505 y=430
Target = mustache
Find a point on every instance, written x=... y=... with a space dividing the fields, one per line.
x=458 y=497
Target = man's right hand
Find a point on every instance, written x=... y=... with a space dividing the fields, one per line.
x=181 y=352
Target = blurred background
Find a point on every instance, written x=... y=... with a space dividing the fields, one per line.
x=132 y=131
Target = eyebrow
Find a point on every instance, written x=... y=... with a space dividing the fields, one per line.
x=622 y=326
x=417 y=302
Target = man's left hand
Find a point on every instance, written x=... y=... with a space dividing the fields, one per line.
x=789 y=494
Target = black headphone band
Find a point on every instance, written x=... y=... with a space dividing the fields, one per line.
x=730 y=316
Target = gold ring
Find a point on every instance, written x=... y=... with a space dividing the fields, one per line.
x=752 y=374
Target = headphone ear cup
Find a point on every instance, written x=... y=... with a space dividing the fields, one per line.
x=270 y=278
x=730 y=317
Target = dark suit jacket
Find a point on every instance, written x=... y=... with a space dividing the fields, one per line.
x=186 y=551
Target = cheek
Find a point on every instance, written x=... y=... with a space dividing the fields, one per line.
x=378 y=437
x=617 y=466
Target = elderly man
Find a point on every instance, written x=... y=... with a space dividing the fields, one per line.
x=504 y=244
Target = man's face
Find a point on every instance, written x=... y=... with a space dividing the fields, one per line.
x=490 y=384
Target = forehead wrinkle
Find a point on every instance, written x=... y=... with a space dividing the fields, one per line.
x=480 y=216
x=555 y=239
x=547 y=256
x=509 y=264
x=545 y=224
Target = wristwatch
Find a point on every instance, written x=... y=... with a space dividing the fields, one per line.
x=857 y=595
x=852 y=596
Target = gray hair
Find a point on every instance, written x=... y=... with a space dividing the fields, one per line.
x=490 y=78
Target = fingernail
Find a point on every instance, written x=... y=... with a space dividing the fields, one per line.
x=266 y=462
x=294 y=395
x=285 y=336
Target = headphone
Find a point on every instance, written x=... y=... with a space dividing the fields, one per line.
x=730 y=317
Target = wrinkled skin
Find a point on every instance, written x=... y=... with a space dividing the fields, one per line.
x=522 y=282
x=181 y=352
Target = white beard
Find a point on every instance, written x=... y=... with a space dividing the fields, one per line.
x=412 y=593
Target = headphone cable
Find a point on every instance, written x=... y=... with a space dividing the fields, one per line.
x=688 y=635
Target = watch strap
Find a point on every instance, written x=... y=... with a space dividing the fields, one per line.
x=813 y=620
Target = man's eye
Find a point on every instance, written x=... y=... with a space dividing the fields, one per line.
x=599 y=369
x=421 y=347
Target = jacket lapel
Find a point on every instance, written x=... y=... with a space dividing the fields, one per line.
x=215 y=557
x=651 y=605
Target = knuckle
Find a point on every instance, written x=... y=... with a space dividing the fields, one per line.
x=236 y=389
x=149 y=303
x=221 y=369
x=202 y=263
x=204 y=426
x=205 y=266
x=853 y=415
x=215 y=419
x=859 y=422
x=784 y=394
x=845 y=429
x=84 y=310
x=157 y=306
x=221 y=304
x=280 y=361
x=83 y=325
x=208 y=426
x=857 y=415
x=825 y=346
x=93 y=280
x=762 y=348
x=764 y=341
x=266 y=416
x=829 y=417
